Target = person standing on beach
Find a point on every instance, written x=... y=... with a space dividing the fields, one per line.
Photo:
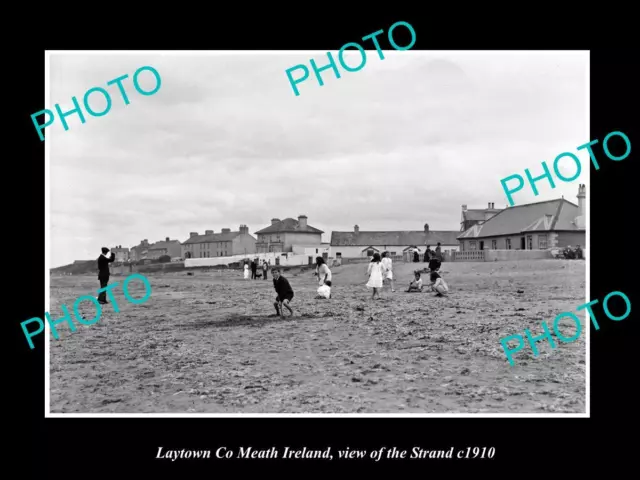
x=439 y=252
x=387 y=265
x=374 y=271
x=246 y=271
x=103 y=272
x=265 y=269
x=254 y=269
x=428 y=254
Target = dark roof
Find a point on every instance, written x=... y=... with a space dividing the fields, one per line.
x=216 y=237
x=477 y=214
x=163 y=244
x=445 y=237
x=289 y=225
x=551 y=215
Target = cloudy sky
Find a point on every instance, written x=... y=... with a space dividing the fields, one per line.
x=403 y=142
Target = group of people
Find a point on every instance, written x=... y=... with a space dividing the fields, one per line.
x=255 y=264
x=429 y=254
x=573 y=253
x=381 y=269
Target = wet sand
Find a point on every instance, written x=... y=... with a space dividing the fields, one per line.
x=210 y=343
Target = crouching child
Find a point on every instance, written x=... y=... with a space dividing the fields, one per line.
x=284 y=292
x=438 y=285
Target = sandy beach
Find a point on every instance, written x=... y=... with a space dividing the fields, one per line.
x=211 y=343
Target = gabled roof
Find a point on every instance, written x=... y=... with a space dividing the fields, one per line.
x=445 y=237
x=552 y=215
x=370 y=247
x=216 y=237
x=289 y=225
x=479 y=214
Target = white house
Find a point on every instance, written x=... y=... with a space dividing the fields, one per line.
x=364 y=244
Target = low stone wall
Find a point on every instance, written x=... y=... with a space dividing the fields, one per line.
x=502 y=255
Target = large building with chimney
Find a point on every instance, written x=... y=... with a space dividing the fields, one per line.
x=223 y=244
x=169 y=247
x=535 y=226
x=282 y=235
x=476 y=216
x=364 y=244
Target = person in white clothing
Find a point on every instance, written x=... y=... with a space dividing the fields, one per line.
x=324 y=277
x=438 y=285
x=246 y=271
x=387 y=265
x=374 y=271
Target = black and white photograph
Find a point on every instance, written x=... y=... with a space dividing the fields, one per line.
x=349 y=250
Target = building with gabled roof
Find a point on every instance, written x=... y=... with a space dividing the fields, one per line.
x=365 y=243
x=535 y=226
x=168 y=247
x=282 y=235
x=223 y=244
x=475 y=216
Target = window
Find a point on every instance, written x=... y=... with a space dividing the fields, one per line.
x=393 y=253
x=494 y=244
x=316 y=250
x=508 y=241
x=369 y=253
x=338 y=255
x=542 y=242
x=529 y=242
x=472 y=245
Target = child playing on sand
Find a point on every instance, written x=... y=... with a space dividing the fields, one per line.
x=416 y=284
x=438 y=285
x=374 y=271
x=387 y=265
x=324 y=278
x=284 y=291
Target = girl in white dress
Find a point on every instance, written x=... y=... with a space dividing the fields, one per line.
x=388 y=269
x=375 y=275
x=438 y=285
x=246 y=271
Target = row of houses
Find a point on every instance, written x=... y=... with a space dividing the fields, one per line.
x=535 y=226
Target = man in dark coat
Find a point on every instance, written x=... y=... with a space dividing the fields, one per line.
x=103 y=272
x=284 y=292
x=254 y=269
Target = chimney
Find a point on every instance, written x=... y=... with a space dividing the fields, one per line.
x=356 y=229
x=274 y=221
x=145 y=242
x=426 y=228
x=302 y=220
x=489 y=205
x=464 y=208
x=208 y=232
x=228 y=230
x=582 y=195
x=166 y=239
x=193 y=234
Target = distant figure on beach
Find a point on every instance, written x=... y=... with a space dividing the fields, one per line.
x=284 y=292
x=265 y=269
x=439 y=252
x=246 y=271
x=387 y=265
x=578 y=252
x=416 y=256
x=438 y=285
x=416 y=284
x=254 y=269
x=374 y=271
x=428 y=253
x=324 y=277
x=103 y=272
